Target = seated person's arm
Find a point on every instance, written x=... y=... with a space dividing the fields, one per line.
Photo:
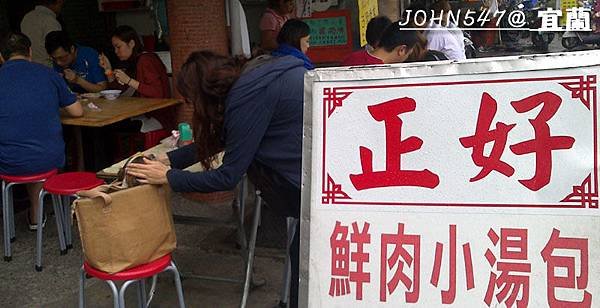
x=95 y=80
x=151 y=72
x=91 y=87
x=74 y=110
x=67 y=100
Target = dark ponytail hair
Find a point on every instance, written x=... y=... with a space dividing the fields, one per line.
x=204 y=81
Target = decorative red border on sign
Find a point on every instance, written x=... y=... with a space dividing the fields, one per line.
x=584 y=195
x=333 y=192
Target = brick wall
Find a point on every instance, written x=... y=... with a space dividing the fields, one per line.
x=195 y=25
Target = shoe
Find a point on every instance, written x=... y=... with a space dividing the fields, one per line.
x=33 y=227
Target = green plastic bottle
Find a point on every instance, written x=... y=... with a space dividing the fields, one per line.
x=185 y=134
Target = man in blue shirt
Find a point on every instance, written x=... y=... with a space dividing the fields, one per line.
x=31 y=97
x=79 y=65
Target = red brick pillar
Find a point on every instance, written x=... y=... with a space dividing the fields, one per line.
x=196 y=25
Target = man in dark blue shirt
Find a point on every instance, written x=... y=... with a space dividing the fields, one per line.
x=79 y=65
x=31 y=96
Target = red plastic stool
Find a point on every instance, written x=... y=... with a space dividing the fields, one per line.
x=7 y=204
x=137 y=274
x=62 y=187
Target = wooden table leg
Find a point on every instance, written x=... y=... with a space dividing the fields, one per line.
x=79 y=145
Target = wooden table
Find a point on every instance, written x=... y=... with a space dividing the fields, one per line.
x=117 y=110
x=110 y=112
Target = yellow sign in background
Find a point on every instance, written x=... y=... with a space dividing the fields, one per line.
x=564 y=5
x=367 y=9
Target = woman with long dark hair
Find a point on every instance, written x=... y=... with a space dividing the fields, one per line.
x=256 y=117
x=142 y=72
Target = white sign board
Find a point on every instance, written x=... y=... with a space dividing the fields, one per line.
x=469 y=184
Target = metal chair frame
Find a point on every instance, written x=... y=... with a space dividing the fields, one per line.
x=62 y=212
x=9 y=223
x=247 y=246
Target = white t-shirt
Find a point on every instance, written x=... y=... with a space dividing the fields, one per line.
x=442 y=39
x=36 y=25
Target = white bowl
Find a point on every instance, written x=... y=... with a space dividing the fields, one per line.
x=111 y=94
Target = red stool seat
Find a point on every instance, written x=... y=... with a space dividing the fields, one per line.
x=71 y=182
x=28 y=178
x=138 y=272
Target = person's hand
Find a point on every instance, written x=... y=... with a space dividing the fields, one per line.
x=122 y=77
x=104 y=62
x=71 y=76
x=152 y=172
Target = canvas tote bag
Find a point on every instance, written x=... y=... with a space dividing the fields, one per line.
x=122 y=227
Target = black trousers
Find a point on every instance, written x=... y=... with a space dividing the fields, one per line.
x=284 y=199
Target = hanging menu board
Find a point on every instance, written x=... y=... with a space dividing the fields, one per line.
x=330 y=36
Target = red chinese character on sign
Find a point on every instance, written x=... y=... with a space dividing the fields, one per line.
x=341 y=257
x=448 y=296
x=543 y=144
x=483 y=135
x=393 y=175
x=569 y=281
x=340 y=261
x=400 y=257
x=512 y=281
x=359 y=277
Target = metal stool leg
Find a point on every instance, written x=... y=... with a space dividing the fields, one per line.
x=40 y=218
x=251 y=246
x=11 y=212
x=6 y=218
x=177 y=280
x=115 y=294
x=66 y=208
x=287 y=271
x=82 y=288
x=58 y=215
x=241 y=201
x=141 y=289
x=122 y=292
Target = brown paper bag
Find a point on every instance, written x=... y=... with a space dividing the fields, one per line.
x=125 y=228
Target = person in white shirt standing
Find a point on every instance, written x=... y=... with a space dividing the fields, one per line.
x=439 y=35
x=39 y=22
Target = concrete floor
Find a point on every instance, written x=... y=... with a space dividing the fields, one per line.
x=202 y=250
